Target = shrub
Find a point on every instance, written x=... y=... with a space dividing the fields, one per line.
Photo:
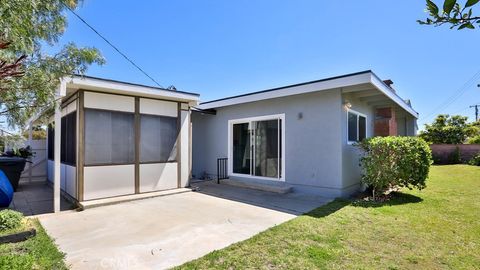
x=475 y=161
x=10 y=219
x=395 y=161
x=474 y=140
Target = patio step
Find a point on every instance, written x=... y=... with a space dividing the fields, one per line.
x=127 y=198
x=281 y=189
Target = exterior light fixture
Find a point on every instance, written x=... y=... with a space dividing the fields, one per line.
x=347 y=105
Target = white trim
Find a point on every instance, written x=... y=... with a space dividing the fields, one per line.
x=293 y=90
x=380 y=85
x=352 y=80
x=107 y=86
x=230 y=145
x=358 y=125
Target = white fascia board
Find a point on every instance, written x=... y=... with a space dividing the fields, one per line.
x=380 y=85
x=124 y=88
x=293 y=90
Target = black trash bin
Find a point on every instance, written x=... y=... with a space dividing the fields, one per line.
x=13 y=168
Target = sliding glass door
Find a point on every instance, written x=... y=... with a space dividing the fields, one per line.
x=257 y=147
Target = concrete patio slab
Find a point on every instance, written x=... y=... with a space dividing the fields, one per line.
x=162 y=232
x=36 y=198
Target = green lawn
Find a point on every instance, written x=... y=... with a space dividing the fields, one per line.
x=437 y=228
x=38 y=252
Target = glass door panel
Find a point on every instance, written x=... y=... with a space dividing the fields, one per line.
x=241 y=149
x=266 y=150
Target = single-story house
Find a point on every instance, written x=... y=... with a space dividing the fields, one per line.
x=301 y=135
x=109 y=138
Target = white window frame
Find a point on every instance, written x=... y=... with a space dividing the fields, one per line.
x=358 y=125
x=230 y=145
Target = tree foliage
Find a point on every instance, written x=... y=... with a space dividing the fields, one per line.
x=395 y=161
x=452 y=13
x=447 y=129
x=26 y=26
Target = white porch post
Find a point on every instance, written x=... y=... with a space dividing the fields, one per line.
x=57 y=141
x=56 y=157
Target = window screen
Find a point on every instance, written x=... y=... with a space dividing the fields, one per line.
x=51 y=141
x=352 y=127
x=109 y=137
x=158 y=136
x=68 y=139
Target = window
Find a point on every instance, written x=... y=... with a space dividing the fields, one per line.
x=257 y=147
x=51 y=141
x=357 y=126
x=68 y=140
x=68 y=151
x=109 y=137
x=158 y=136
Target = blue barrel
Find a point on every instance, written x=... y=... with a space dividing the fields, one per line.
x=6 y=190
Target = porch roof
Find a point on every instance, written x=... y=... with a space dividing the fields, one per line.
x=77 y=82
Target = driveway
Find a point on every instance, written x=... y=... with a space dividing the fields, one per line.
x=163 y=232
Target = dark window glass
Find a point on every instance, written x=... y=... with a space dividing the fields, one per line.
x=109 y=137
x=266 y=148
x=63 y=140
x=51 y=141
x=71 y=143
x=362 y=128
x=352 y=127
x=241 y=148
x=158 y=137
x=68 y=139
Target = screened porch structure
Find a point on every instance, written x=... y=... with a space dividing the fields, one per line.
x=109 y=139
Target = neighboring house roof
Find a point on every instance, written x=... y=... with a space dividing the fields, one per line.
x=119 y=87
x=358 y=78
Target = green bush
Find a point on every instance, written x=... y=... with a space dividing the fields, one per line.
x=10 y=219
x=395 y=161
x=475 y=161
x=474 y=140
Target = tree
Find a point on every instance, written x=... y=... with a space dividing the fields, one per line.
x=452 y=13
x=28 y=76
x=447 y=129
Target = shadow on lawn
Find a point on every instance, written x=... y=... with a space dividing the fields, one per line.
x=398 y=198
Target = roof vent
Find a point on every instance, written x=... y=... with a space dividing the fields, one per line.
x=172 y=88
x=389 y=83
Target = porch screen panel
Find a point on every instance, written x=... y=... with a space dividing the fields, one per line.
x=109 y=137
x=241 y=148
x=267 y=148
x=50 y=141
x=158 y=136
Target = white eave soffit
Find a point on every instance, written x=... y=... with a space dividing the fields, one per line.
x=357 y=79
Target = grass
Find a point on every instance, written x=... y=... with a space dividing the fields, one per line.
x=38 y=252
x=437 y=228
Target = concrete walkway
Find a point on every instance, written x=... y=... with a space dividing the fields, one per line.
x=163 y=232
x=35 y=198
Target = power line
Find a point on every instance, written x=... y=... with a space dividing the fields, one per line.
x=113 y=46
x=455 y=96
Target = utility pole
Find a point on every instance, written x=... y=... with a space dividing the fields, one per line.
x=476 y=111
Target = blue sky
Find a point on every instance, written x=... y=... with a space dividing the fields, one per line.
x=223 y=48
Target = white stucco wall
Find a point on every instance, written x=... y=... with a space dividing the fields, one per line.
x=313 y=136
